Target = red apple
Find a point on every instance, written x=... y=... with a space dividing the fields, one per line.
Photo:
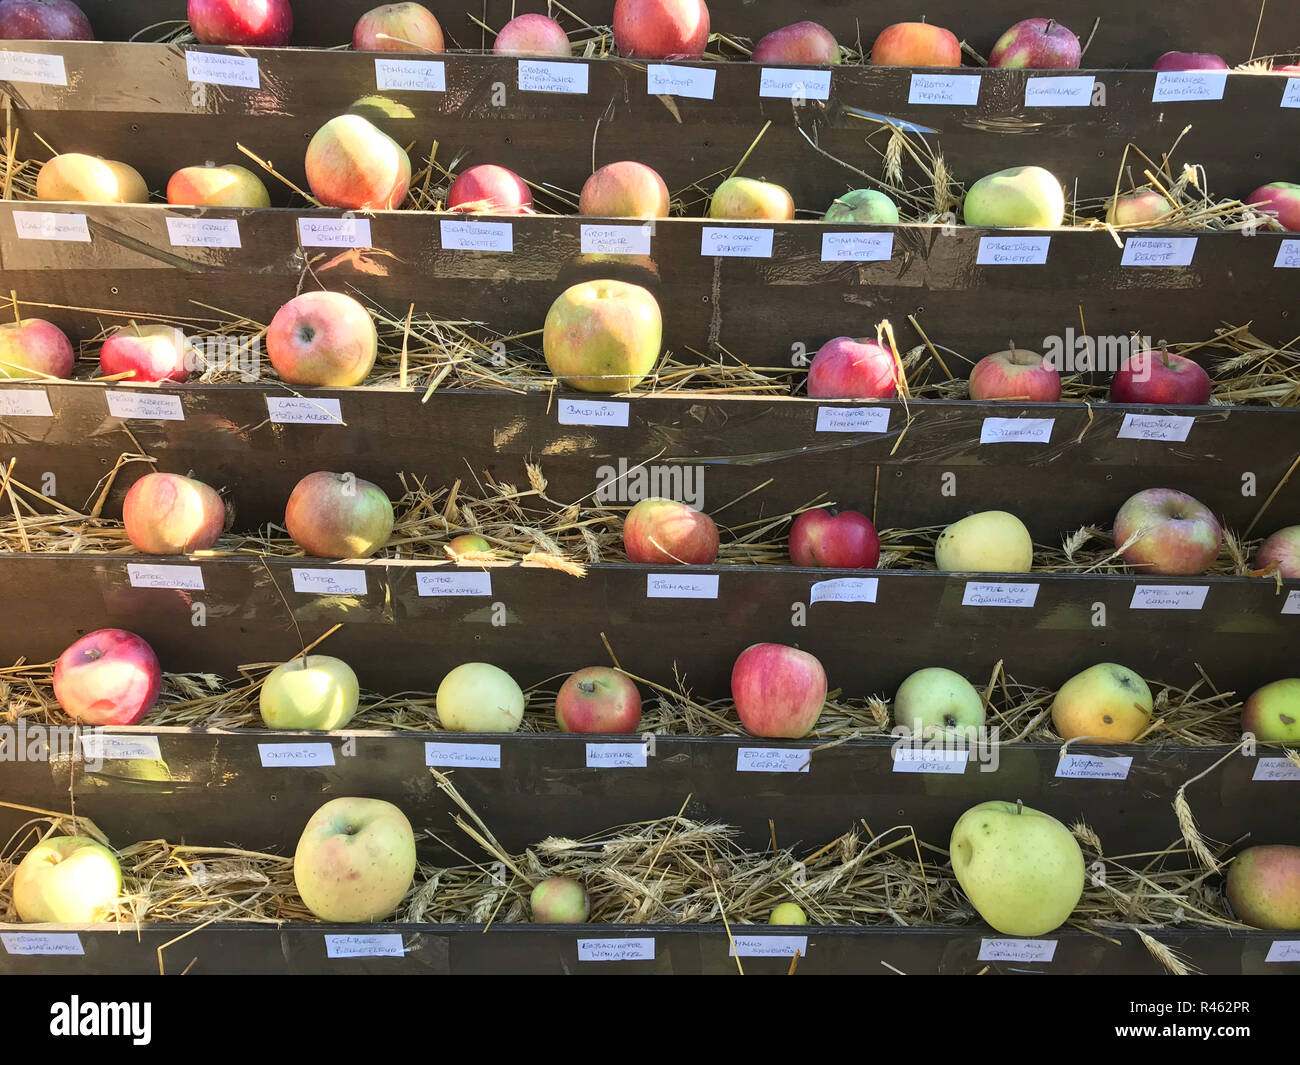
x=352 y=163
x=916 y=44
x=147 y=352
x=322 y=338
x=1280 y=553
x=166 y=514
x=338 y=515
x=779 y=691
x=1173 y=534
x=844 y=540
x=845 y=368
x=661 y=531
x=661 y=29
x=532 y=34
x=1020 y=375
x=1160 y=377
x=33 y=347
x=217 y=186
x=1189 y=61
x=1037 y=44
x=603 y=336
x=598 y=699
x=804 y=42
x=262 y=23
x=1134 y=208
x=43 y=20
x=398 y=28
x=1279 y=198
x=108 y=677
x=624 y=190
x=488 y=189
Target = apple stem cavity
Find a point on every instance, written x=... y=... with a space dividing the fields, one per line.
x=1051 y=25
x=587 y=687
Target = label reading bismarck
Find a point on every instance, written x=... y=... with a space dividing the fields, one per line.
x=874 y=419
x=849 y=247
x=1017 y=430
x=1172 y=427
x=845 y=590
x=1169 y=597
x=221 y=68
x=735 y=243
x=593 y=412
x=773 y=760
x=616 y=240
x=185 y=578
x=1093 y=767
x=1174 y=85
x=35 y=68
x=956 y=90
x=411 y=75
x=300 y=410
x=25 y=403
x=203 y=232
x=692 y=82
x=681 y=586
x=51 y=225
x=1158 y=251
x=776 y=83
x=465 y=755
x=276 y=755
x=1075 y=91
x=383 y=945
x=1013 y=251
x=330 y=581
x=453 y=582
x=986 y=593
x=145 y=406
x=616 y=950
x=1017 y=949
x=537 y=75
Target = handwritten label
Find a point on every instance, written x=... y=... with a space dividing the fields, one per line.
x=616 y=950
x=853 y=419
x=1017 y=430
x=303 y=410
x=186 y=578
x=383 y=945
x=100 y=746
x=222 y=68
x=477 y=236
x=1281 y=950
x=693 y=82
x=50 y=225
x=616 y=756
x=1075 y=91
x=538 y=75
x=1155 y=427
x=34 y=67
x=203 y=232
x=453 y=583
x=1292 y=604
x=330 y=581
x=25 y=403
x=1288 y=255
x=616 y=240
x=151 y=406
x=1012 y=251
x=1291 y=94
x=1169 y=597
x=773 y=760
x=781 y=84
x=464 y=755
x=1093 y=767
x=948 y=760
x=767 y=946
x=592 y=412
x=681 y=586
x=983 y=593
x=1275 y=769
x=1017 y=949
x=731 y=243
x=41 y=943
x=1174 y=85
x=845 y=590
x=411 y=75
x=1159 y=251
x=956 y=90
x=334 y=233
x=275 y=755
x=857 y=247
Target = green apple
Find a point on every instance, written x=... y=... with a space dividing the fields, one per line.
x=67 y=880
x=1273 y=712
x=559 y=900
x=788 y=913
x=478 y=697
x=1106 y=702
x=989 y=542
x=937 y=701
x=1021 y=196
x=863 y=207
x=1021 y=869
x=355 y=860
x=312 y=692
x=1263 y=885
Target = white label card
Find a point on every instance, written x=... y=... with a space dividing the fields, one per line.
x=51 y=225
x=681 y=586
x=1159 y=251
x=794 y=84
x=538 y=75
x=302 y=410
x=918 y=759
x=41 y=943
x=1013 y=251
x=1156 y=427
x=1174 y=85
x=957 y=90
x=743 y=946
x=616 y=950
x=1073 y=91
x=735 y=243
x=848 y=247
x=1288 y=255
x=873 y=419
x=33 y=67
x=1275 y=769
x=145 y=575
x=593 y=412
x=773 y=760
x=222 y=68
x=1169 y=597
x=477 y=236
x=25 y=403
x=1292 y=604
x=845 y=590
x=1017 y=949
x=985 y=593
x=453 y=582
x=1291 y=94
x=276 y=755
x=115 y=748
x=147 y=406
x=330 y=581
x=383 y=945
x=334 y=233
x=411 y=75
x=693 y=82
x=1093 y=767
x=1017 y=430
x=464 y=755
x=1281 y=950
x=203 y=232
x=616 y=240
x=616 y=756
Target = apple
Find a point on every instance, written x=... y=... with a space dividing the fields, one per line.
x=1160 y=377
x=67 y=880
x=779 y=691
x=992 y=541
x=1021 y=869
x=846 y=540
x=488 y=189
x=338 y=515
x=1280 y=553
x=1106 y=702
x=1263 y=887
x=916 y=44
x=1172 y=534
x=624 y=190
x=43 y=20
x=89 y=179
x=1281 y=199
x=938 y=702
x=598 y=699
x=845 y=368
x=469 y=544
x=559 y=900
x=603 y=336
x=661 y=29
x=804 y=42
x=1037 y=44
x=33 y=347
x=478 y=697
x=788 y=913
x=355 y=860
x=864 y=207
x=379 y=110
x=745 y=199
x=1136 y=208
x=532 y=34
x=352 y=163
x=398 y=28
x=260 y=23
x=311 y=692
x=167 y=514
x=1024 y=376
x=108 y=677
x=1272 y=712
x=147 y=352
x=217 y=186
x=1189 y=61
x=662 y=532
x=1018 y=197
x=322 y=338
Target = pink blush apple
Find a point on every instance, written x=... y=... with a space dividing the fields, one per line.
x=1171 y=533
x=1019 y=375
x=845 y=368
x=532 y=34
x=661 y=29
x=33 y=347
x=166 y=514
x=779 y=691
x=146 y=352
x=598 y=699
x=1280 y=553
x=108 y=677
x=1280 y=198
x=846 y=540
x=662 y=531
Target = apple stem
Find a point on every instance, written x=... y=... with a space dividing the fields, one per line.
x=13 y=295
x=1050 y=23
x=1020 y=806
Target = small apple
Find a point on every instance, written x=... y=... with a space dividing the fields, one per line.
x=217 y=186
x=478 y=697
x=863 y=207
x=1280 y=199
x=845 y=368
x=1106 y=702
x=624 y=190
x=989 y=542
x=310 y=692
x=846 y=540
x=1280 y=553
x=746 y=200
x=88 y=179
x=67 y=880
x=355 y=860
x=559 y=900
x=779 y=691
x=146 y=352
x=1263 y=887
x=1172 y=534
x=108 y=677
x=938 y=702
x=1037 y=44
x=338 y=515
x=1272 y=712
x=1019 y=375
x=489 y=189
x=33 y=347
x=468 y=544
x=532 y=34
x=251 y=23
x=43 y=20
x=804 y=42
x=1018 y=197
x=662 y=532
x=916 y=44
x=398 y=28
x=322 y=338
x=661 y=29
x=352 y=163
x=167 y=514
x=1138 y=208
x=788 y=913
x=1189 y=61
x=598 y=699
x=1160 y=377
x=603 y=336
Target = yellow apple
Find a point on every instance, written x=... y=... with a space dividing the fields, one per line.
x=312 y=692
x=67 y=880
x=745 y=199
x=89 y=179
x=788 y=913
x=992 y=541
x=478 y=697
x=1105 y=702
x=603 y=336
x=355 y=860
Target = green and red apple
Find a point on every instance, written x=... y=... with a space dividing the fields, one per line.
x=808 y=43
x=404 y=27
x=1172 y=534
x=559 y=900
x=355 y=860
x=916 y=44
x=849 y=368
x=322 y=338
x=864 y=207
x=745 y=199
x=1280 y=199
x=107 y=677
x=624 y=189
x=532 y=34
x=353 y=164
x=1272 y=712
x=89 y=179
x=217 y=186
x=598 y=700
x=1280 y=553
x=1138 y=208
x=1263 y=886
x=146 y=352
x=1015 y=375
x=1037 y=44
x=338 y=515
x=603 y=336
x=33 y=347
x=779 y=691
x=661 y=531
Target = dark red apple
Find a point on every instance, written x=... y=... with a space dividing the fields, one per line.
x=598 y=699
x=1160 y=377
x=43 y=20
x=1037 y=44
x=846 y=540
x=779 y=691
x=659 y=531
x=108 y=677
x=262 y=23
x=1189 y=61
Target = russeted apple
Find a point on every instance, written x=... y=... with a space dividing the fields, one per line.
x=559 y=900
x=1280 y=553
x=598 y=699
x=745 y=199
x=1263 y=887
x=1272 y=712
x=489 y=189
x=252 y=23
x=625 y=189
x=67 y=880
x=848 y=368
x=479 y=697
x=309 y=692
x=338 y=515
x=779 y=691
x=916 y=44
x=43 y=20
x=352 y=163
x=402 y=27
x=1167 y=532
x=108 y=677
x=664 y=532
x=835 y=540
x=1017 y=197
x=89 y=179
x=167 y=514
x=603 y=336
x=146 y=353
x=1105 y=703
x=865 y=207
x=230 y=185
x=992 y=541
x=661 y=29
x=322 y=338
x=532 y=34
x=801 y=43
x=33 y=347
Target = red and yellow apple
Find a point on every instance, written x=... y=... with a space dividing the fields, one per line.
x=1161 y=378
x=33 y=347
x=67 y=880
x=1280 y=553
x=1105 y=703
x=338 y=515
x=844 y=540
x=1172 y=534
x=398 y=28
x=468 y=544
x=309 y=692
x=489 y=189
x=661 y=29
x=167 y=514
x=322 y=338
x=1263 y=887
x=603 y=336
x=748 y=200
x=1037 y=44
x=352 y=163
x=252 y=23
x=1017 y=374
x=1281 y=199
x=845 y=368
x=662 y=531
x=82 y=178
x=146 y=352
x=598 y=699
x=479 y=697
x=43 y=20
x=801 y=43
x=916 y=44
x=559 y=900
x=625 y=189
x=217 y=186
x=1272 y=712
x=779 y=691
x=532 y=34
x=355 y=860
x=1137 y=208
x=108 y=677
